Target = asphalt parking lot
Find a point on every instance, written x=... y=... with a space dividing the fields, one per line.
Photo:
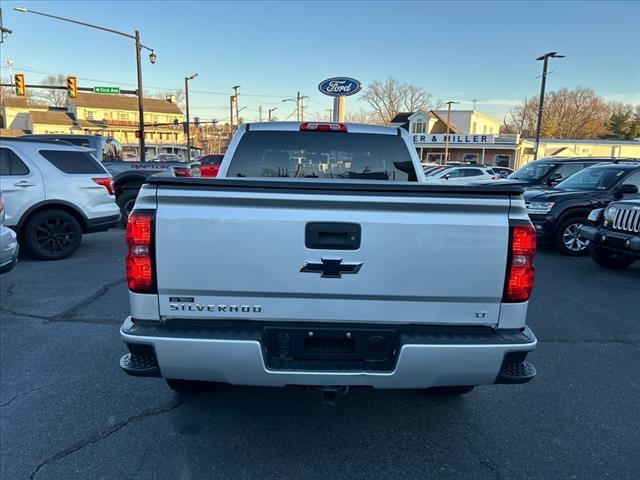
x=67 y=411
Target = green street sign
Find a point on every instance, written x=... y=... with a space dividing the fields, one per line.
x=107 y=90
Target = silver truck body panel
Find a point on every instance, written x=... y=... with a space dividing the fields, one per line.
x=435 y=260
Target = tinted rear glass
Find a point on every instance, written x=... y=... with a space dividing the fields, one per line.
x=322 y=155
x=72 y=162
x=10 y=164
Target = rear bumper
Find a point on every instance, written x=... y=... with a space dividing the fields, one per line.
x=9 y=249
x=425 y=357
x=100 y=224
x=611 y=239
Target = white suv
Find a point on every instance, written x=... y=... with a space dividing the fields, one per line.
x=462 y=175
x=53 y=193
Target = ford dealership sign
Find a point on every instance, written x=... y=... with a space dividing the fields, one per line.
x=340 y=86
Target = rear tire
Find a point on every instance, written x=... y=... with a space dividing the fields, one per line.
x=52 y=235
x=568 y=240
x=608 y=259
x=126 y=200
x=452 y=391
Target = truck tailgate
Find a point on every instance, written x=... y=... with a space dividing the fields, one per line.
x=239 y=254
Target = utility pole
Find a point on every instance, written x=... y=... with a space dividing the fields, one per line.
x=188 y=127
x=10 y=64
x=446 y=137
x=136 y=37
x=301 y=100
x=298 y=107
x=231 y=113
x=545 y=60
x=235 y=89
x=260 y=113
x=272 y=110
x=330 y=110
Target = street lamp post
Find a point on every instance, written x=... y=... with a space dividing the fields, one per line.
x=188 y=128
x=545 y=61
x=446 y=137
x=139 y=46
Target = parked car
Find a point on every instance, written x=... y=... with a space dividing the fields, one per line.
x=210 y=164
x=8 y=244
x=548 y=171
x=53 y=193
x=167 y=157
x=128 y=174
x=614 y=234
x=461 y=175
x=503 y=172
x=429 y=171
x=558 y=213
x=307 y=216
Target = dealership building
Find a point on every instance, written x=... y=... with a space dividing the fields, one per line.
x=474 y=137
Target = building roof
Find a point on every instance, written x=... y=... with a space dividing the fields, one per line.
x=452 y=127
x=401 y=117
x=51 y=118
x=125 y=102
x=472 y=112
x=20 y=102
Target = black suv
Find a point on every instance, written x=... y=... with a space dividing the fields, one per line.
x=558 y=213
x=614 y=238
x=550 y=171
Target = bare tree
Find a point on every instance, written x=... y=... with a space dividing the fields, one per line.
x=391 y=97
x=577 y=113
x=362 y=116
x=179 y=94
x=55 y=98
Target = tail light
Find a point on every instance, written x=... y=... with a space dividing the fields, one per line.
x=520 y=269
x=141 y=255
x=182 y=172
x=322 y=127
x=107 y=183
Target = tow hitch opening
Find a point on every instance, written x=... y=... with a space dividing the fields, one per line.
x=329 y=393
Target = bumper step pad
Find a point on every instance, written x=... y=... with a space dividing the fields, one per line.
x=140 y=365
x=518 y=372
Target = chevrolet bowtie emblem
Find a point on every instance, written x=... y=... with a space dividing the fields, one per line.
x=331 y=267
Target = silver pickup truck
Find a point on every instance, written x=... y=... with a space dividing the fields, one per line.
x=321 y=260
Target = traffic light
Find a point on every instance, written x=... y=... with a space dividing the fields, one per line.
x=21 y=88
x=72 y=87
x=196 y=122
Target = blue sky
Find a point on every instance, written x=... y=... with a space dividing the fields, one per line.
x=456 y=50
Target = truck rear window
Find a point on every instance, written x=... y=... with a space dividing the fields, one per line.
x=68 y=161
x=322 y=155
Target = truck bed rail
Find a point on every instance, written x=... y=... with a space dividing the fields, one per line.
x=342 y=187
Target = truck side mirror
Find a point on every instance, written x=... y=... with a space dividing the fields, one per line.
x=623 y=190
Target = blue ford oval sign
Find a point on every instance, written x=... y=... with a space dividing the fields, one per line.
x=340 y=86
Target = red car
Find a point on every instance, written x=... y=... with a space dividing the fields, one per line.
x=210 y=164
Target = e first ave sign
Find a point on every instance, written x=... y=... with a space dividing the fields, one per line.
x=107 y=90
x=456 y=139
